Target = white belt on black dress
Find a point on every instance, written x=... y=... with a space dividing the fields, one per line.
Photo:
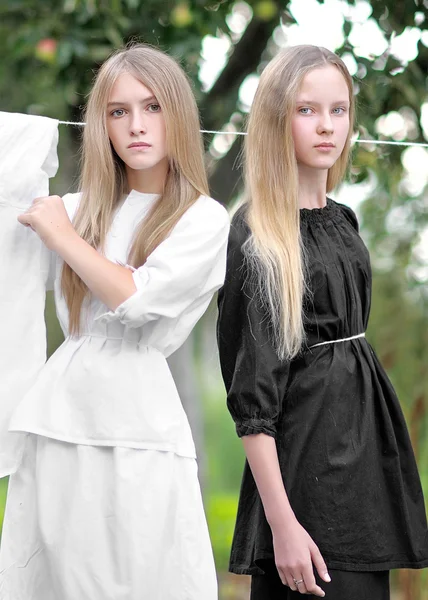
x=347 y=339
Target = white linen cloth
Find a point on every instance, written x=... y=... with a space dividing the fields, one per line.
x=106 y=502
x=28 y=157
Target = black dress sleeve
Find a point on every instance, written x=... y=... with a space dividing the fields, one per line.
x=254 y=377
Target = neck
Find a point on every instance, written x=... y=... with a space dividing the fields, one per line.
x=312 y=187
x=148 y=181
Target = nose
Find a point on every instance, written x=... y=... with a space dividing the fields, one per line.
x=325 y=123
x=137 y=123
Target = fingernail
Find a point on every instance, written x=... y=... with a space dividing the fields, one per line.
x=327 y=577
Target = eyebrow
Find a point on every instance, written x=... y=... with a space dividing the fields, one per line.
x=143 y=101
x=307 y=101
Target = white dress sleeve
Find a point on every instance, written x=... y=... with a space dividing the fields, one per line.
x=180 y=276
x=28 y=158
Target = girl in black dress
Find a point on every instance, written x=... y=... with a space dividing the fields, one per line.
x=330 y=490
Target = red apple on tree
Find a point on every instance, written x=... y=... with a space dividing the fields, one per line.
x=46 y=50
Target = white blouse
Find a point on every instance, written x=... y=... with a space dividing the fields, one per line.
x=111 y=385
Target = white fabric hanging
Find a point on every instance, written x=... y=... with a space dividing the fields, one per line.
x=28 y=158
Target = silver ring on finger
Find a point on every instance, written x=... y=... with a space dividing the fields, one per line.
x=297 y=581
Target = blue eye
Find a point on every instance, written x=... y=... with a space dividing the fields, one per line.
x=154 y=108
x=119 y=112
x=339 y=110
x=305 y=110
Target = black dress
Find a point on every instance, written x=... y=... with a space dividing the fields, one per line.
x=343 y=446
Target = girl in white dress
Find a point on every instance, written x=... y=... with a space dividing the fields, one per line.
x=106 y=504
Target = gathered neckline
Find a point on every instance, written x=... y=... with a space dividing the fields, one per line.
x=319 y=214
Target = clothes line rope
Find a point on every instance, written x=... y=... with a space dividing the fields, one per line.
x=356 y=140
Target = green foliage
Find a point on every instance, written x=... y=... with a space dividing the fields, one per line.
x=221 y=513
x=3 y=493
x=53 y=47
x=224 y=449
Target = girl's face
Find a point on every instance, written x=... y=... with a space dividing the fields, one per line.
x=320 y=123
x=136 y=128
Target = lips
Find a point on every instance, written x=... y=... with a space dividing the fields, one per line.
x=139 y=145
x=325 y=145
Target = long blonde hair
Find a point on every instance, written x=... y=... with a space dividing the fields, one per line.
x=103 y=181
x=274 y=249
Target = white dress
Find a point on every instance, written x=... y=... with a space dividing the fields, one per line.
x=106 y=504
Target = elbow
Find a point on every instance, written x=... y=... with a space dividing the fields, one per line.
x=122 y=294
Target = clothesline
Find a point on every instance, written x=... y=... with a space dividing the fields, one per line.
x=356 y=140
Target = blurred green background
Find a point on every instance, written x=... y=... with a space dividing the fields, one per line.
x=49 y=52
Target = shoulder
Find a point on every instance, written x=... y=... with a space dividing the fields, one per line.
x=239 y=229
x=208 y=208
x=349 y=214
x=238 y=235
x=71 y=203
x=207 y=216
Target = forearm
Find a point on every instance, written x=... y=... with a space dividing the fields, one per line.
x=112 y=284
x=262 y=457
x=296 y=554
x=109 y=282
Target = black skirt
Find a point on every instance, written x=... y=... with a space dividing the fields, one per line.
x=344 y=585
x=343 y=445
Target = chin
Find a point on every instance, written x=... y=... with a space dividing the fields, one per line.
x=139 y=165
x=325 y=165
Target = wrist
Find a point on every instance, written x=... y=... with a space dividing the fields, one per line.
x=64 y=240
x=280 y=516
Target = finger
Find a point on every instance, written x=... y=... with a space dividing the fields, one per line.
x=282 y=576
x=319 y=563
x=290 y=582
x=24 y=219
x=42 y=199
x=299 y=584
x=309 y=584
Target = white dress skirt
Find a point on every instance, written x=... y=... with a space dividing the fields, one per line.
x=105 y=523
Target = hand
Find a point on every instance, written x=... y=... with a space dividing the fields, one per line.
x=295 y=552
x=48 y=218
